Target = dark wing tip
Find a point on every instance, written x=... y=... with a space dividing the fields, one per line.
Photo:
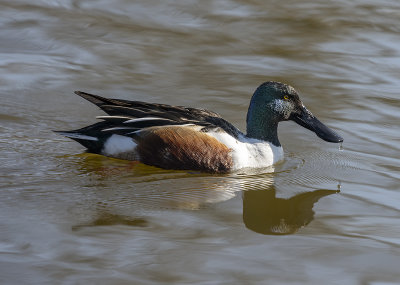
x=95 y=99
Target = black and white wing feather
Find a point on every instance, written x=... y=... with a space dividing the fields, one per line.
x=128 y=118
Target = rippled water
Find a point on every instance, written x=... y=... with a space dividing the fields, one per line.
x=325 y=215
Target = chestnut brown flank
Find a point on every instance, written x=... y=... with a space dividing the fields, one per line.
x=178 y=147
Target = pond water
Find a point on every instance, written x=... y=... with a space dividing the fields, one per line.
x=326 y=215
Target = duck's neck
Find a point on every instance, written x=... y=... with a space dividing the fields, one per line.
x=261 y=124
x=266 y=132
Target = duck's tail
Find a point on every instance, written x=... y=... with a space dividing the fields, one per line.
x=89 y=137
x=91 y=143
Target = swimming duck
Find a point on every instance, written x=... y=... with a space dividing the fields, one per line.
x=177 y=137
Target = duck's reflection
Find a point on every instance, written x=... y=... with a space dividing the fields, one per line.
x=264 y=213
x=107 y=219
x=143 y=188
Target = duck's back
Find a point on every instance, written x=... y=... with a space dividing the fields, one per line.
x=171 y=137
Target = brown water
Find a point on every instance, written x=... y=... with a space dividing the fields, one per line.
x=324 y=216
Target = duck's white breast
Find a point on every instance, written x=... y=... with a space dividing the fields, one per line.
x=249 y=152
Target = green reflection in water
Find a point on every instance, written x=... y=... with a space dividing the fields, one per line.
x=109 y=219
x=264 y=213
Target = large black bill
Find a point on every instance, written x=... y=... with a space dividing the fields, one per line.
x=305 y=119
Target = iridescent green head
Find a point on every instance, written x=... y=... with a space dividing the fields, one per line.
x=273 y=102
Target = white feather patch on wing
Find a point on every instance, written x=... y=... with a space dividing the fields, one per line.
x=118 y=144
x=113 y=117
x=197 y=128
x=134 y=132
x=118 y=128
x=145 y=119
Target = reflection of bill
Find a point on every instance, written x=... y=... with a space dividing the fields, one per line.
x=264 y=213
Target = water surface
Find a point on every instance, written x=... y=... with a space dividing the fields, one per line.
x=325 y=215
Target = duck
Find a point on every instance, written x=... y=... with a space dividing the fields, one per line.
x=185 y=138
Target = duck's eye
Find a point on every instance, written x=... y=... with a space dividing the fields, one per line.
x=286 y=97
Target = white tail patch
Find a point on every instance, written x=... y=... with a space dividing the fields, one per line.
x=117 y=144
x=78 y=136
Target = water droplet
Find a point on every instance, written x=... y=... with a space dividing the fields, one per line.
x=341 y=146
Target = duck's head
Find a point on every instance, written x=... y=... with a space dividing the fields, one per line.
x=274 y=102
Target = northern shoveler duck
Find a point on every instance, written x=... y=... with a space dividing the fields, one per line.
x=176 y=137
